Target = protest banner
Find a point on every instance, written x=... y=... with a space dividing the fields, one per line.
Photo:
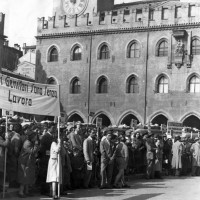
x=29 y=97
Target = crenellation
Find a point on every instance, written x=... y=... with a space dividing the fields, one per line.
x=123 y=17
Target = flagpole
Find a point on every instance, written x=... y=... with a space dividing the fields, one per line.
x=5 y=160
x=59 y=167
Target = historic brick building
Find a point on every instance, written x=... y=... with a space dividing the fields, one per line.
x=120 y=62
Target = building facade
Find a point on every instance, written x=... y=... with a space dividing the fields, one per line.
x=138 y=60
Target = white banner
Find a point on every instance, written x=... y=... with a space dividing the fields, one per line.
x=29 y=97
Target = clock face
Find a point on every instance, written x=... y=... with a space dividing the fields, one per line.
x=74 y=7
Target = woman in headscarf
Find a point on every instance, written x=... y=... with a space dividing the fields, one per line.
x=27 y=163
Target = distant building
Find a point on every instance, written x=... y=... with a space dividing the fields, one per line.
x=26 y=64
x=137 y=60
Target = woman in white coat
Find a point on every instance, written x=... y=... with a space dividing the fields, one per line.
x=54 y=173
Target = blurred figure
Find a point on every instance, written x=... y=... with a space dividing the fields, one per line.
x=139 y=150
x=177 y=151
x=159 y=156
x=27 y=164
x=77 y=158
x=195 y=150
x=13 y=154
x=151 y=150
x=43 y=156
x=167 y=154
x=4 y=143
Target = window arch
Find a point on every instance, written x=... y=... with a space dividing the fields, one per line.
x=162 y=48
x=195 y=46
x=132 y=85
x=163 y=84
x=53 y=54
x=194 y=84
x=104 y=52
x=77 y=53
x=133 y=50
x=75 y=86
x=102 y=85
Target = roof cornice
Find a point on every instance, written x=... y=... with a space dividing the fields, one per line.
x=120 y=30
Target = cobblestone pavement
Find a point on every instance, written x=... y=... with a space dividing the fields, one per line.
x=169 y=188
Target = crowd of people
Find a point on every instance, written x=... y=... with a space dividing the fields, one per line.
x=85 y=156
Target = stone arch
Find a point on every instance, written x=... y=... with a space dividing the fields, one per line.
x=52 y=80
x=99 y=49
x=191 y=119
x=156 y=81
x=133 y=75
x=76 y=115
x=49 y=51
x=105 y=121
x=129 y=45
x=160 y=113
x=72 y=50
x=158 y=44
x=188 y=80
x=130 y=113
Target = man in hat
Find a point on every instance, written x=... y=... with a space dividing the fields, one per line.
x=151 y=150
x=106 y=161
x=177 y=150
x=195 y=150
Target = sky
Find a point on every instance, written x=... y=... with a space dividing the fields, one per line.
x=21 y=18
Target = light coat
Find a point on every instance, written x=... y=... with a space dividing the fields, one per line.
x=195 y=150
x=88 y=150
x=177 y=150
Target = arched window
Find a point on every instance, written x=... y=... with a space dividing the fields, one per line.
x=102 y=85
x=134 y=50
x=163 y=85
x=53 y=55
x=195 y=46
x=194 y=84
x=77 y=53
x=162 y=48
x=75 y=86
x=104 y=52
x=132 y=85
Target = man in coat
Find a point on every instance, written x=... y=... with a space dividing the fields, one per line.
x=107 y=161
x=195 y=150
x=177 y=150
x=88 y=150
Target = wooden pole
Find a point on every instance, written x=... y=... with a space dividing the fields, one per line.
x=59 y=167
x=5 y=160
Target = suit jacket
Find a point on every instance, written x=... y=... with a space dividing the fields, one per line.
x=106 y=150
x=88 y=149
x=76 y=141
